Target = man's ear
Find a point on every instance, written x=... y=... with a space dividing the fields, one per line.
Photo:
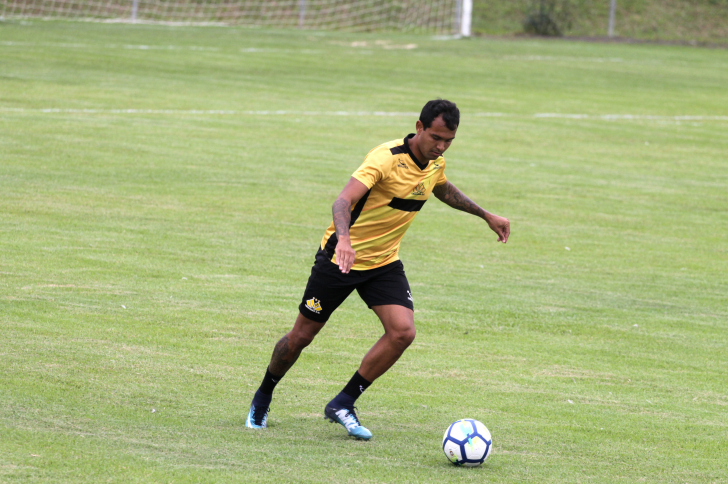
x=419 y=126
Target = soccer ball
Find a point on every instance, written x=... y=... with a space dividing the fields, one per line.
x=467 y=442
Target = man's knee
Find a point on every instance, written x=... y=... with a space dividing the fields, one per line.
x=403 y=337
x=303 y=332
x=299 y=340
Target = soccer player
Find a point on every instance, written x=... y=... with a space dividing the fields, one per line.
x=359 y=251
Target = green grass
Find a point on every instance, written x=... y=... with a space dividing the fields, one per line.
x=150 y=260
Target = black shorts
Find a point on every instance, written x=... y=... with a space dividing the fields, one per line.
x=328 y=287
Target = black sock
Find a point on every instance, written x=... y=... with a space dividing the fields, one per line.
x=261 y=399
x=269 y=383
x=351 y=391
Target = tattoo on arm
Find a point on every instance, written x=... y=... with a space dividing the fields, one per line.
x=449 y=194
x=342 y=216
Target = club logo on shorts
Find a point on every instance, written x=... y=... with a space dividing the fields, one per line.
x=314 y=305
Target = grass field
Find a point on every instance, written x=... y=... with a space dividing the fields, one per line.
x=691 y=21
x=163 y=193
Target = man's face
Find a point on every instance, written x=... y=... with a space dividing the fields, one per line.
x=434 y=140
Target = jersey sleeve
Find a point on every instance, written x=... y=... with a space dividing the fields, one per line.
x=377 y=165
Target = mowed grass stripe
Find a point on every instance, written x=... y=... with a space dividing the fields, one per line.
x=150 y=260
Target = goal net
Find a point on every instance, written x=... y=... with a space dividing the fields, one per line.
x=431 y=16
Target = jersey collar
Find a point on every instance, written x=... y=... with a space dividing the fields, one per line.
x=421 y=165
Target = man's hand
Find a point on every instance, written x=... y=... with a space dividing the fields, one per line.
x=499 y=225
x=345 y=255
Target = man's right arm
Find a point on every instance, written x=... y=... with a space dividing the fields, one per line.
x=341 y=210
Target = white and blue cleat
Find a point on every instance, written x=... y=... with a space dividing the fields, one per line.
x=257 y=417
x=347 y=418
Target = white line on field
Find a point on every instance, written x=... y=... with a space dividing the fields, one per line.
x=12 y=43
x=650 y=117
x=232 y=112
x=551 y=58
x=247 y=50
x=197 y=48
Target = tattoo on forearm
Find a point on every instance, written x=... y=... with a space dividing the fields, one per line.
x=453 y=197
x=342 y=216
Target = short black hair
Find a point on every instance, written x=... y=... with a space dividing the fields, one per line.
x=449 y=111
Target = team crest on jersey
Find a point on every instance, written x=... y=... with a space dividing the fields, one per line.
x=402 y=164
x=314 y=305
x=419 y=189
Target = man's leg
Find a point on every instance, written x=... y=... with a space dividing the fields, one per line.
x=399 y=332
x=289 y=348
x=285 y=354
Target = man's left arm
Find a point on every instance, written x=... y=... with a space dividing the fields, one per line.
x=449 y=194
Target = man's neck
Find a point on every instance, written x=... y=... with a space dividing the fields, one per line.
x=415 y=150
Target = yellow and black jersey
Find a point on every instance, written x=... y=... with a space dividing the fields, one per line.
x=399 y=185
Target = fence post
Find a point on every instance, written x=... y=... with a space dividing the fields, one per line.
x=134 y=10
x=467 y=18
x=612 y=9
x=301 y=12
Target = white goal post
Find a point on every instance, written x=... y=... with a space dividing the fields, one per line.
x=443 y=17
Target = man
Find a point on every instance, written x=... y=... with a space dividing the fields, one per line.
x=360 y=251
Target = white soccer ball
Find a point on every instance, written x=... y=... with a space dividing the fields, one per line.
x=467 y=442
